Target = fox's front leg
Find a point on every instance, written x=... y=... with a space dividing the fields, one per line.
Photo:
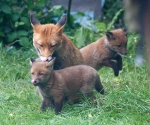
x=58 y=102
x=112 y=65
x=119 y=61
x=47 y=103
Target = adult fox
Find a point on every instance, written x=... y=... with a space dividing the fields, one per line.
x=49 y=41
x=105 y=50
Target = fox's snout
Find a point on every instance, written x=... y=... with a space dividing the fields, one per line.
x=44 y=56
x=34 y=82
x=44 y=59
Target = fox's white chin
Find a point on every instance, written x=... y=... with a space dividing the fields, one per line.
x=45 y=58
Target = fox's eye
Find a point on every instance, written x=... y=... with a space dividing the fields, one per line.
x=40 y=45
x=41 y=74
x=53 y=45
x=118 y=45
x=32 y=73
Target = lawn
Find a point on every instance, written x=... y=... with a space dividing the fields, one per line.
x=126 y=101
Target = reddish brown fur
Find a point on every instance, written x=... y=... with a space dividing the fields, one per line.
x=104 y=50
x=54 y=85
x=49 y=41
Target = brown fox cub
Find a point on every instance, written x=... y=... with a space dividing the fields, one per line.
x=54 y=85
x=105 y=50
x=49 y=41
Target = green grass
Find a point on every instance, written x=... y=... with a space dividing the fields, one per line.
x=126 y=103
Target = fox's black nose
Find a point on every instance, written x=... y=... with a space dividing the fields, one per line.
x=35 y=82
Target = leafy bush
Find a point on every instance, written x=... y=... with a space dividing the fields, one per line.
x=88 y=34
x=16 y=29
x=97 y=29
x=14 y=19
x=111 y=7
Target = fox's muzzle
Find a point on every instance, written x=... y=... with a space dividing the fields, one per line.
x=34 y=82
x=44 y=59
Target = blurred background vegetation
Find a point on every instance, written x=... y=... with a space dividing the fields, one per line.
x=16 y=31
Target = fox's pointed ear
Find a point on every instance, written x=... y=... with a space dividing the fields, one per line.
x=125 y=31
x=31 y=61
x=61 y=23
x=51 y=62
x=34 y=21
x=110 y=35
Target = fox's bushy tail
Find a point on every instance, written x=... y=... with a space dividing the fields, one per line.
x=99 y=86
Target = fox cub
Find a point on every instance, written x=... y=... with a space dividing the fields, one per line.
x=105 y=50
x=50 y=41
x=54 y=85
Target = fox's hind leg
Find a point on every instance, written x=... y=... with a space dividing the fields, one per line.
x=87 y=91
x=74 y=98
x=90 y=95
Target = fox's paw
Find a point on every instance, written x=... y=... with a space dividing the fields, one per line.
x=116 y=70
x=119 y=66
x=116 y=73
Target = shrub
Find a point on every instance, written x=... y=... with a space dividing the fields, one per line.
x=14 y=19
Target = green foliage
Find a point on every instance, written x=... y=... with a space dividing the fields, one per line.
x=110 y=9
x=133 y=39
x=16 y=29
x=87 y=34
x=110 y=26
x=14 y=19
